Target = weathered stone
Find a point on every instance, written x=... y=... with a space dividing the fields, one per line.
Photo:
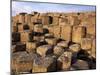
x=38 y=38
x=58 y=50
x=63 y=21
x=26 y=27
x=64 y=61
x=93 y=52
x=55 y=20
x=44 y=50
x=47 y=64
x=14 y=28
x=75 y=47
x=28 y=18
x=38 y=28
x=34 y=19
x=24 y=36
x=86 y=43
x=57 y=31
x=31 y=46
x=31 y=26
x=20 y=28
x=78 y=33
x=15 y=37
x=80 y=65
x=51 y=29
x=73 y=20
x=66 y=32
x=21 y=18
x=22 y=62
x=48 y=35
x=63 y=44
x=20 y=47
x=51 y=41
x=45 y=20
x=13 y=48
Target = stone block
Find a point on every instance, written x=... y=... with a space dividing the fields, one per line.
x=45 y=50
x=64 y=61
x=86 y=43
x=78 y=33
x=66 y=32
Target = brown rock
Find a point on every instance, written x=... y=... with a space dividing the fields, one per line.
x=55 y=20
x=22 y=62
x=86 y=43
x=63 y=44
x=28 y=18
x=14 y=28
x=78 y=33
x=31 y=46
x=51 y=29
x=64 y=61
x=24 y=36
x=58 y=50
x=31 y=26
x=51 y=41
x=93 y=52
x=63 y=21
x=13 y=48
x=56 y=31
x=46 y=64
x=44 y=50
x=21 y=18
x=66 y=32
x=20 y=47
x=81 y=65
x=38 y=28
x=15 y=37
x=20 y=28
x=45 y=20
x=38 y=38
x=48 y=35
x=75 y=47
x=73 y=20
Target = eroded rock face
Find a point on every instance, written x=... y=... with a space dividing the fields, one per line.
x=50 y=42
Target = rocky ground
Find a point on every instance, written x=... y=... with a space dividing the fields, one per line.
x=52 y=42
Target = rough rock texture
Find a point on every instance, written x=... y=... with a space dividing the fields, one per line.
x=51 y=42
